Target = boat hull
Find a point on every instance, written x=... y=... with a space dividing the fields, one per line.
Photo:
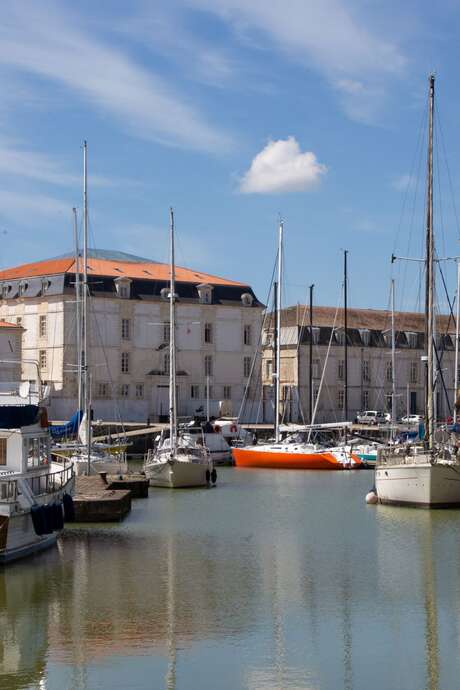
x=319 y=460
x=423 y=485
x=176 y=474
x=22 y=540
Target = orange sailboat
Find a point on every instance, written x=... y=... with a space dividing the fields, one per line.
x=290 y=454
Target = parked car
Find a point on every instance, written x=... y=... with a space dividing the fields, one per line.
x=371 y=417
x=412 y=419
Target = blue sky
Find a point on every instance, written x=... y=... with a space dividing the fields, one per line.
x=232 y=111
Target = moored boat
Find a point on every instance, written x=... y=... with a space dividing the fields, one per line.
x=32 y=489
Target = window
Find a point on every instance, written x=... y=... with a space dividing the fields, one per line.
x=102 y=390
x=365 y=336
x=340 y=398
x=123 y=287
x=125 y=362
x=194 y=391
x=247 y=334
x=19 y=321
x=37 y=452
x=166 y=332
x=22 y=287
x=340 y=337
x=166 y=363
x=269 y=368
x=208 y=332
x=5 y=291
x=45 y=285
x=365 y=400
x=42 y=359
x=315 y=365
x=413 y=373
x=124 y=390
x=42 y=326
x=2 y=451
x=366 y=372
x=204 y=293
x=227 y=392
x=388 y=401
x=315 y=395
x=341 y=370
x=389 y=372
x=246 y=366
x=125 y=329
x=208 y=365
x=412 y=339
x=247 y=299
x=139 y=391
x=315 y=335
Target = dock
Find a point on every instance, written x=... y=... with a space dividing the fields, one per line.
x=95 y=501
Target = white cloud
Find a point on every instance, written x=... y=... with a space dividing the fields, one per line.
x=325 y=35
x=282 y=167
x=403 y=182
x=38 y=40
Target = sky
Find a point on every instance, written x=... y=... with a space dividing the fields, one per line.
x=236 y=113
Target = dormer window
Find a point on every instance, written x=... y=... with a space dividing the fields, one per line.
x=247 y=299
x=204 y=293
x=5 y=291
x=340 y=337
x=412 y=339
x=45 y=285
x=365 y=336
x=123 y=287
x=164 y=293
x=22 y=287
x=315 y=335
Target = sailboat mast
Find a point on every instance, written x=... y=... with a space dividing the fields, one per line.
x=78 y=307
x=457 y=334
x=85 y=322
x=429 y=301
x=172 y=344
x=310 y=361
x=278 y=332
x=345 y=310
x=393 y=359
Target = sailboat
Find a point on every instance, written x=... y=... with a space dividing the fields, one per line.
x=87 y=456
x=425 y=475
x=178 y=461
x=291 y=453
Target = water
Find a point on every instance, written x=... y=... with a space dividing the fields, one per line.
x=272 y=581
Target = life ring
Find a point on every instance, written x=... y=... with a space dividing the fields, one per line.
x=217 y=428
x=233 y=428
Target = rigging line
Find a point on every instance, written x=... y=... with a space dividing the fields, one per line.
x=259 y=345
x=448 y=171
x=439 y=199
x=325 y=365
x=419 y=150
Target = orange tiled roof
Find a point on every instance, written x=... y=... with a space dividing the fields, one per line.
x=6 y=324
x=115 y=269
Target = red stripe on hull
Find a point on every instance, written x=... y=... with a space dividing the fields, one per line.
x=245 y=457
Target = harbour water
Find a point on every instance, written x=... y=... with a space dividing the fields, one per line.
x=272 y=581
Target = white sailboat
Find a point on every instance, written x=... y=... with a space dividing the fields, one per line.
x=177 y=461
x=425 y=475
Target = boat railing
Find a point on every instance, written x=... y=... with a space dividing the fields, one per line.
x=8 y=489
x=403 y=455
x=50 y=482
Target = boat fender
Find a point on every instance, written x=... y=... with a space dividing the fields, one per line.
x=69 y=508
x=208 y=476
x=43 y=417
x=217 y=428
x=58 y=517
x=372 y=498
x=38 y=519
x=213 y=475
x=233 y=429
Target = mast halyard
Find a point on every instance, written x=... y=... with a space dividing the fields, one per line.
x=172 y=345
x=429 y=299
x=278 y=331
x=457 y=335
x=393 y=360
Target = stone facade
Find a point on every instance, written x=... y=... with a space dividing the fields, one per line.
x=218 y=327
x=369 y=363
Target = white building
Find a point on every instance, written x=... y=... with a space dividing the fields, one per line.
x=218 y=327
x=10 y=357
x=369 y=363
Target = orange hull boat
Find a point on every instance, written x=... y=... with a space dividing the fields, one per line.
x=319 y=460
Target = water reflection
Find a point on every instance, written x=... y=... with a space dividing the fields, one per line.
x=265 y=578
